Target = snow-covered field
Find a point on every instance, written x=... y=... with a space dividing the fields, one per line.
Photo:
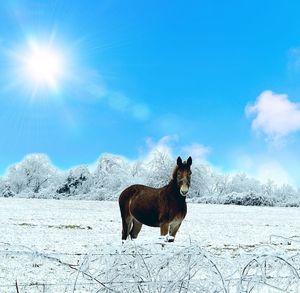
x=45 y=243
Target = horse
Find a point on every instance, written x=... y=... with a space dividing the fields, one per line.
x=163 y=207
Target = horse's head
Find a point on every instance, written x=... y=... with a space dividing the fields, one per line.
x=182 y=175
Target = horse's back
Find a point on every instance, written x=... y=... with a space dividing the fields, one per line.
x=136 y=189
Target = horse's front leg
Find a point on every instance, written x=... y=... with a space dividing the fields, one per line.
x=164 y=229
x=174 y=226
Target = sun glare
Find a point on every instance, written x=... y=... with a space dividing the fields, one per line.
x=42 y=66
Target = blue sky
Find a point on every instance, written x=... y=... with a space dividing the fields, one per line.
x=215 y=79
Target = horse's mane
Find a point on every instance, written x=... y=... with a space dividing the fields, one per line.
x=174 y=175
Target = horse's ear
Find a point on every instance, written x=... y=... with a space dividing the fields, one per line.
x=179 y=161
x=189 y=161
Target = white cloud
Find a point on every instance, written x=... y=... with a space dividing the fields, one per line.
x=170 y=146
x=275 y=115
x=163 y=145
x=196 y=151
x=264 y=168
x=274 y=171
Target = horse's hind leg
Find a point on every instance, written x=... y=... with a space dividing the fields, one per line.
x=126 y=227
x=136 y=228
x=126 y=220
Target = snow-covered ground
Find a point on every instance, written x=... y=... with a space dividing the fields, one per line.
x=44 y=243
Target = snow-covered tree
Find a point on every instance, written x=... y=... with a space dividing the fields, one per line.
x=268 y=188
x=240 y=182
x=5 y=188
x=159 y=168
x=77 y=181
x=35 y=176
x=32 y=174
x=111 y=176
x=287 y=194
x=207 y=182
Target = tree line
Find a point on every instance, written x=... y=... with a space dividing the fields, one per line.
x=36 y=177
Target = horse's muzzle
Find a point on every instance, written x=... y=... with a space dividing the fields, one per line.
x=183 y=192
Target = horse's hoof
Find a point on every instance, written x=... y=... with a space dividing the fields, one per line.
x=170 y=238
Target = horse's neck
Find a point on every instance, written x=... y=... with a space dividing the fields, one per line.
x=172 y=191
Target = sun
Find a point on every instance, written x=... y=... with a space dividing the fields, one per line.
x=42 y=66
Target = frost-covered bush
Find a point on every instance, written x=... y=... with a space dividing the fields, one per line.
x=78 y=181
x=5 y=189
x=287 y=196
x=149 y=268
x=247 y=199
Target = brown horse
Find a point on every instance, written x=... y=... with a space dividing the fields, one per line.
x=163 y=207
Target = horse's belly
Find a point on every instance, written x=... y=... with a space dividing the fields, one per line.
x=147 y=217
